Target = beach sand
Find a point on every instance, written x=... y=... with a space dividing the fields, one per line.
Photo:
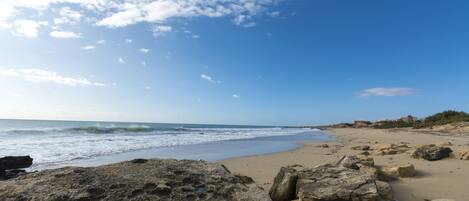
x=447 y=178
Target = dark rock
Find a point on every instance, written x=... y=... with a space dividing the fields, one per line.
x=15 y=162
x=284 y=186
x=432 y=152
x=176 y=180
x=139 y=160
x=9 y=174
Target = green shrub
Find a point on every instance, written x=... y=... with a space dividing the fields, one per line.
x=393 y=124
x=442 y=118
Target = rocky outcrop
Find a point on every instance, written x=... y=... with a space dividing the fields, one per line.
x=330 y=183
x=391 y=173
x=11 y=166
x=390 y=149
x=431 y=152
x=175 y=180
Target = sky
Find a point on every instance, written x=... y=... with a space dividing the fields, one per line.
x=254 y=62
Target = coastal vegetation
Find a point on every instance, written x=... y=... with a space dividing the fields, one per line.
x=438 y=119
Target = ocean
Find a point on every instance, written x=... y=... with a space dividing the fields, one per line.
x=61 y=143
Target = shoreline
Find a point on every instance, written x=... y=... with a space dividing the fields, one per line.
x=434 y=180
x=205 y=151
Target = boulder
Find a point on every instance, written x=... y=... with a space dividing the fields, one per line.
x=391 y=173
x=284 y=186
x=155 y=179
x=331 y=183
x=431 y=152
x=15 y=162
x=462 y=154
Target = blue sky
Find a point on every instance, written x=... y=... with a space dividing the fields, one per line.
x=266 y=62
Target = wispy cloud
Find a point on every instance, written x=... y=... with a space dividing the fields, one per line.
x=40 y=75
x=144 y=50
x=89 y=47
x=161 y=30
x=379 y=91
x=121 y=60
x=101 y=42
x=68 y=16
x=209 y=78
x=64 y=34
x=235 y=96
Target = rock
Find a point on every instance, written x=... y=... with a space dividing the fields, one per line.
x=154 y=179
x=390 y=149
x=333 y=183
x=365 y=153
x=446 y=144
x=323 y=146
x=462 y=154
x=10 y=174
x=15 y=162
x=284 y=185
x=361 y=147
x=354 y=162
x=391 y=173
x=431 y=152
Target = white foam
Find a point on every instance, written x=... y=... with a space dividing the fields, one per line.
x=57 y=147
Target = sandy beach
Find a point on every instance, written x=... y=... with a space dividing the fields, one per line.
x=445 y=178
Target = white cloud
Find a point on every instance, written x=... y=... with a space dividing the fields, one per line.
x=161 y=30
x=144 y=50
x=128 y=41
x=160 y=11
x=89 y=47
x=148 y=87
x=101 y=42
x=121 y=13
x=27 y=28
x=65 y=34
x=121 y=60
x=235 y=96
x=387 y=92
x=209 y=78
x=68 y=16
x=39 y=75
x=6 y=11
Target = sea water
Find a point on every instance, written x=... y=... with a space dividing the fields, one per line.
x=59 y=143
